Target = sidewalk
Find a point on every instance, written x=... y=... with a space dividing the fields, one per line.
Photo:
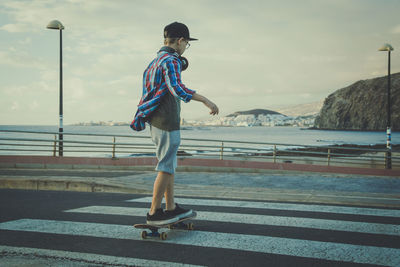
x=273 y=185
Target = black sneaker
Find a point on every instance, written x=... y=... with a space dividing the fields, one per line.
x=160 y=218
x=179 y=212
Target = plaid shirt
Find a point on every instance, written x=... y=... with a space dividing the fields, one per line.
x=163 y=75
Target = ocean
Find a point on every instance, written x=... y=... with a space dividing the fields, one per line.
x=279 y=135
x=137 y=147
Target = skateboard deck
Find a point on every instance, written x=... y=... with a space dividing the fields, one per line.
x=163 y=235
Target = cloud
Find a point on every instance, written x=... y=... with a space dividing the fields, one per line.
x=15 y=106
x=75 y=89
x=396 y=30
x=250 y=53
x=322 y=58
x=34 y=105
x=26 y=41
x=33 y=16
x=21 y=59
x=17 y=27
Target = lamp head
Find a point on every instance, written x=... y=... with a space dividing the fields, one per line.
x=55 y=25
x=386 y=47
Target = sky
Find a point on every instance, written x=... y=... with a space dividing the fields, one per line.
x=250 y=54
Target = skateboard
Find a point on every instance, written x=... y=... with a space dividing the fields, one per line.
x=163 y=235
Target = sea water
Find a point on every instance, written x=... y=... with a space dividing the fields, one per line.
x=273 y=135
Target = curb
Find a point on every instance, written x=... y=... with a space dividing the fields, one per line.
x=66 y=185
x=253 y=194
x=184 y=164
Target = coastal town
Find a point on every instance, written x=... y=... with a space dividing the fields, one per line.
x=250 y=120
x=295 y=116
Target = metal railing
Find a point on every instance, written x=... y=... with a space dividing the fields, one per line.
x=118 y=146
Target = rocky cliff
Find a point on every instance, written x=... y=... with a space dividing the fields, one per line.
x=361 y=106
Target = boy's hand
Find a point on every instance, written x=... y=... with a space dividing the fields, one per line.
x=213 y=108
x=207 y=102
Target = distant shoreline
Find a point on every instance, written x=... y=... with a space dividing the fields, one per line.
x=343 y=150
x=350 y=130
x=279 y=126
x=186 y=127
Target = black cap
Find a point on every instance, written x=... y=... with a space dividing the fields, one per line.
x=177 y=30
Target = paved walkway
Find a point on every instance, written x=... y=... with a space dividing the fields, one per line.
x=274 y=185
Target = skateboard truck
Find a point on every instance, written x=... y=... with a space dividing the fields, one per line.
x=154 y=233
x=154 y=230
x=163 y=235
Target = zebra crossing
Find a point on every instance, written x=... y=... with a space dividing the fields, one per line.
x=323 y=234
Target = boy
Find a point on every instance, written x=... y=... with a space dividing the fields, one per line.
x=160 y=107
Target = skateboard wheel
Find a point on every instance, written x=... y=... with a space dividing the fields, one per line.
x=163 y=236
x=190 y=226
x=144 y=234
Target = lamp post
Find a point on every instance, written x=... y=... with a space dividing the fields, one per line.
x=388 y=162
x=56 y=25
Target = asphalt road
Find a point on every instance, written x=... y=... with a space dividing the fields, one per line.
x=95 y=229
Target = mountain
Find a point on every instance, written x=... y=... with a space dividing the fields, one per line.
x=302 y=109
x=361 y=106
x=255 y=112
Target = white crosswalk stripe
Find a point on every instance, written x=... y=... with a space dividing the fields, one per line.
x=280 y=206
x=337 y=225
x=88 y=257
x=258 y=243
x=264 y=244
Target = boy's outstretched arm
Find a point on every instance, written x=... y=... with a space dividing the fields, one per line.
x=213 y=108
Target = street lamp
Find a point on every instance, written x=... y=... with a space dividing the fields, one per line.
x=56 y=25
x=388 y=163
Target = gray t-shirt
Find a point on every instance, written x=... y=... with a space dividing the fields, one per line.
x=167 y=116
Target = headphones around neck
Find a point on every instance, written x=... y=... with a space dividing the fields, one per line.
x=184 y=61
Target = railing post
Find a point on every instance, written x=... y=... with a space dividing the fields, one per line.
x=386 y=154
x=221 y=157
x=329 y=156
x=55 y=146
x=113 y=149
x=274 y=153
